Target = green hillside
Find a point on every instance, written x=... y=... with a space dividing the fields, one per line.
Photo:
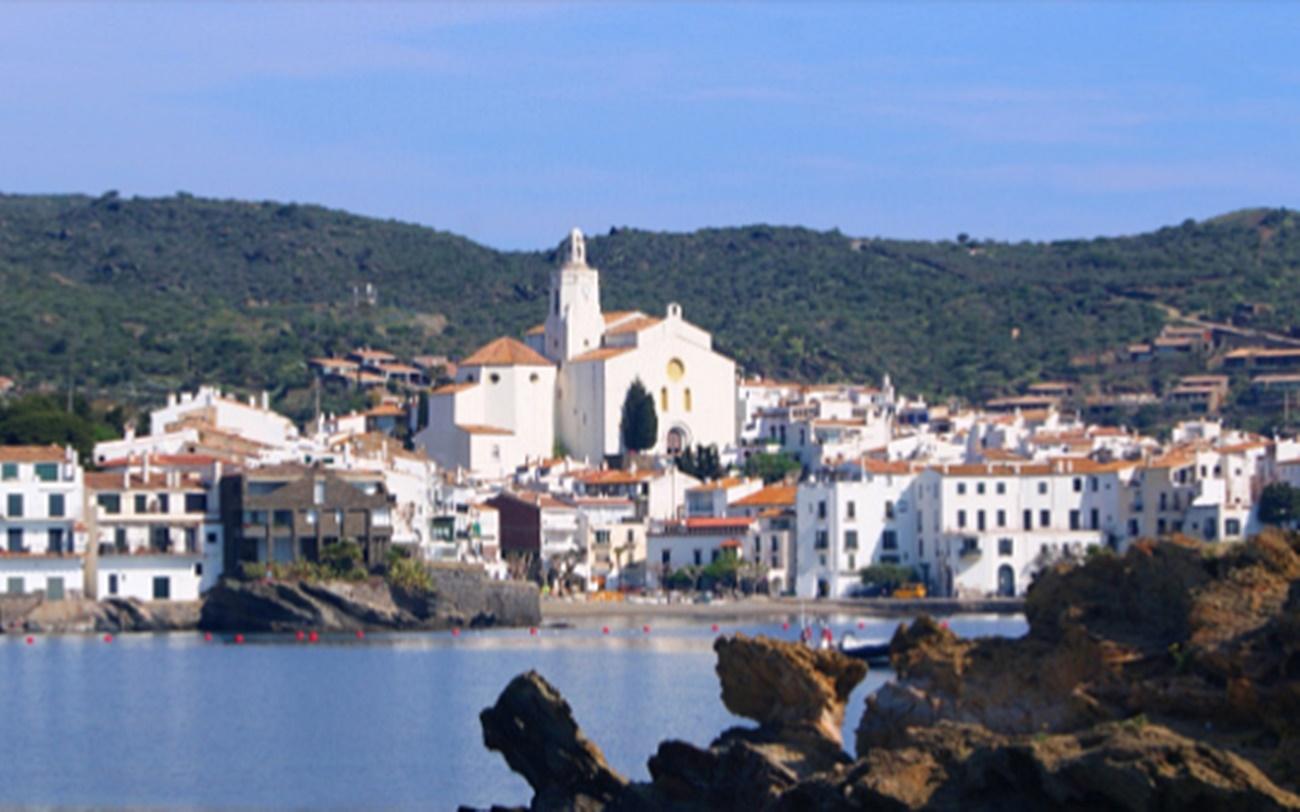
x=131 y=297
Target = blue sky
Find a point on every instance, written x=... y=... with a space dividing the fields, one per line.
x=511 y=123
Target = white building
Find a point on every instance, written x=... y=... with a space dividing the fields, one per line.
x=672 y=546
x=42 y=499
x=510 y=403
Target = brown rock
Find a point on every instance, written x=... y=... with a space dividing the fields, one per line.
x=533 y=727
x=786 y=687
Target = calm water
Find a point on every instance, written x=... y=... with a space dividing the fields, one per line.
x=390 y=722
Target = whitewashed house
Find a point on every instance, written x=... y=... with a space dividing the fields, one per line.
x=41 y=512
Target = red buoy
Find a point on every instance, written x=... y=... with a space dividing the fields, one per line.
x=300 y=636
x=715 y=627
x=239 y=640
x=645 y=629
x=532 y=630
x=360 y=634
x=455 y=632
x=207 y=637
x=604 y=630
x=108 y=638
x=31 y=640
x=861 y=625
x=313 y=637
x=785 y=627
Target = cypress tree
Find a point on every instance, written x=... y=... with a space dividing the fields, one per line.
x=640 y=424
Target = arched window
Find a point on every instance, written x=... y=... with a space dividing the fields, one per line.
x=663 y=399
x=686 y=399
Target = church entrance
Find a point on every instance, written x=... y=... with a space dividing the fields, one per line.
x=676 y=441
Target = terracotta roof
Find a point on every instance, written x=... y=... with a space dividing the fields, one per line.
x=874 y=466
x=475 y=428
x=634 y=325
x=369 y=353
x=404 y=369
x=386 y=410
x=619 y=315
x=505 y=352
x=717 y=522
x=1263 y=352
x=771 y=495
x=341 y=363
x=600 y=354
x=163 y=460
x=720 y=484
x=731 y=544
x=453 y=388
x=156 y=481
x=613 y=477
x=32 y=453
x=535 y=330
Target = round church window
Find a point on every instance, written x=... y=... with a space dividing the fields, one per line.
x=676 y=369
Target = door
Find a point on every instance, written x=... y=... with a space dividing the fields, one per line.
x=112 y=584
x=1006 y=581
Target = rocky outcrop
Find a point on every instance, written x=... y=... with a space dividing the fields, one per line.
x=533 y=727
x=1168 y=678
x=79 y=616
x=459 y=598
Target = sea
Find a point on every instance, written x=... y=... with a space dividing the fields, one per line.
x=387 y=721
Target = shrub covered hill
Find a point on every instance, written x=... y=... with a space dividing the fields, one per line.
x=132 y=297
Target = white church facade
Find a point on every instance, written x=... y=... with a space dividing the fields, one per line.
x=511 y=401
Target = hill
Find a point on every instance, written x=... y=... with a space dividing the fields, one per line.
x=132 y=297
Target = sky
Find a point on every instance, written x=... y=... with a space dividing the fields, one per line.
x=512 y=123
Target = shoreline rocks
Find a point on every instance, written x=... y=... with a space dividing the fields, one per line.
x=1167 y=678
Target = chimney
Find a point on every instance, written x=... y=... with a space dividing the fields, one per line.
x=266 y=401
x=171 y=398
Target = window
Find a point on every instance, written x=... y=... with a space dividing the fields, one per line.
x=1005 y=546
x=1132 y=527
x=1028 y=520
x=889 y=509
x=119 y=539
x=1002 y=518
x=282 y=518
x=318 y=492
x=676 y=369
x=162 y=588
x=602 y=537
x=1074 y=520
x=56 y=505
x=822 y=540
x=821 y=509
x=15 y=585
x=14 y=508
x=1077 y=484
x=686 y=399
x=961 y=488
x=1161 y=527
x=54 y=588
x=1164 y=501
x=889 y=540
x=853 y=563
x=961 y=518
x=851 y=510
x=1232 y=527
x=112 y=584
x=1094 y=519
x=1042 y=487
x=697 y=557
x=663 y=399
x=850 y=539
x=380 y=517
x=979 y=488
x=1044 y=518
x=1002 y=487
x=47 y=471
x=164 y=503
x=9 y=471
x=141 y=503
x=196 y=503
x=1093 y=483
x=212 y=538
x=494 y=378
x=54 y=541
x=776 y=544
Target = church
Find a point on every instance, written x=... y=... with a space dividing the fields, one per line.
x=512 y=401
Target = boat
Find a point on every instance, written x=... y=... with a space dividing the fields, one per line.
x=874 y=650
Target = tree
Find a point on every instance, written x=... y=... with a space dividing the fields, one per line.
x=1279 y=504
x=887 y=576
x=702 y=463
x=640 y=424
x=771 y=467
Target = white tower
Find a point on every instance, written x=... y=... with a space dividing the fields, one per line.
x=574 y=323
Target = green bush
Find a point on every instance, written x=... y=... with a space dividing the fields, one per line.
x=887 y=576
x=410 y=574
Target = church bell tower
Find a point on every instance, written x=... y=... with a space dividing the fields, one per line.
x=574 y=323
